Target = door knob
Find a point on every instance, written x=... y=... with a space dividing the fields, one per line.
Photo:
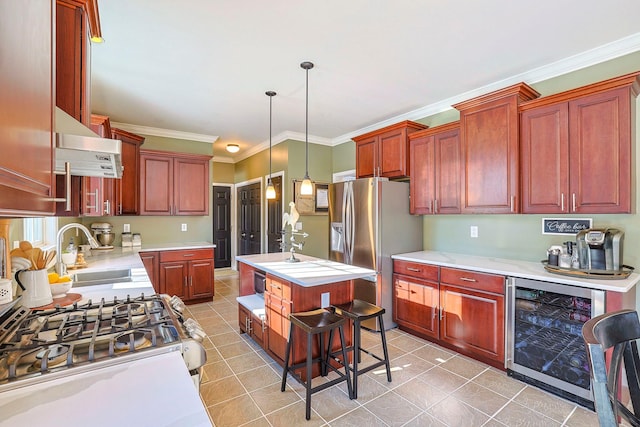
x=243 y=234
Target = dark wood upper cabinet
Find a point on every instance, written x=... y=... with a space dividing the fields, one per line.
x=489 y=135
x=435 y=170
x=385 y=152
x=577 y=149
x=127 y=189
x=26 y=108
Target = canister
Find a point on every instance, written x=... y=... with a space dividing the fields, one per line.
x=6 y=291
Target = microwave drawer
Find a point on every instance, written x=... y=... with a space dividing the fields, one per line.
x=416 y=269
x=474 y=280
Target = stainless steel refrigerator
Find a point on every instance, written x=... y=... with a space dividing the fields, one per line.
x=370 y=221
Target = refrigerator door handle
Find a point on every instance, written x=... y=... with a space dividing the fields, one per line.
x=348 y=215
x=352 y=227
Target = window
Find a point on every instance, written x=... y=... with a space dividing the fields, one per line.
x=41 y=232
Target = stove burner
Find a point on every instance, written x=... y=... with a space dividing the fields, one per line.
x=123 y=342
x=54 y=355
x=134 y=308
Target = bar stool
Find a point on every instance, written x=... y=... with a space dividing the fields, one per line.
x=359 y=311
x=316 y=322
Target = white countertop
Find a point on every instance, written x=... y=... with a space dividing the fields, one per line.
x=156 y=391
x=515 y=268
x=310 y=271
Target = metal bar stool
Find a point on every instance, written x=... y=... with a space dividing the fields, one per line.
x=316 y=322
x=359 y=311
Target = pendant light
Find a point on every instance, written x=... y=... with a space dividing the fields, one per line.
x=306 y=188
x=271 y=190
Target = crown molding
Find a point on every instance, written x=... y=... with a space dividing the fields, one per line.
x=167 y=133
x=582 y=60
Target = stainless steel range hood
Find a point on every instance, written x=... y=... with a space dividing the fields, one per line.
x=87 y=152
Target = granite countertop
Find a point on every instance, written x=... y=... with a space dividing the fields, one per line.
x=515 y=268
x=310 y=271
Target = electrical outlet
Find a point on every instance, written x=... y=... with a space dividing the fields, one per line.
x=16 y=244
x=127 y=228
x=474 y=231
x=298 y=226
x=325 y=300
x=184 y=227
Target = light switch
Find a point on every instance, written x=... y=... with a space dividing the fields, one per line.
x=127 y=228
x=184 y=227
x=474 y=231
x=325 y=300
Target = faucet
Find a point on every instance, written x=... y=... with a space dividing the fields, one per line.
x=61 y=268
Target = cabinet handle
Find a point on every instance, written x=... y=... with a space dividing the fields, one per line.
x=562 y=202
x=185 y=281
x=67 y=190
x=191 y=281
x=95 y=207
x=441 y=316
x=431 y=206
x=435 y=206
x=187 y=255
x=415 y=270
x=413 y=292
x=120 y=208
x=573 y=201
x=468 y=279
x=513 y=203
x=107 y=207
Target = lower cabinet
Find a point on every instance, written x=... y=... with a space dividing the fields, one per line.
x=459 y=309
x=253 y=325
x=278 y=305
x=188 y=274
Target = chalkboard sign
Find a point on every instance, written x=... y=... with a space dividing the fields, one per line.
x=565 y=225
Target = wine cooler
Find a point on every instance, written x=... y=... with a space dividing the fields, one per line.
x=544 y=336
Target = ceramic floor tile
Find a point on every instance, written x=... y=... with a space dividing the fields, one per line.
x=421 y=394
x=544 y=403
x=433 y=354
x=234 y=412
x=480 y=398
x=218 y=391
x=582 y=417
x=425 y=420
x=463 y=366
x=442 y=379
x=455 y=413
x=393 y=409
x=217 y=370
x=225 y=338
x=499 y=382
x=359 y=417
x=514 y=414
x=235 y=349
x=258 y=378
x=270 y=398
x=245 y=362
x=294 y=415
x=332 y=403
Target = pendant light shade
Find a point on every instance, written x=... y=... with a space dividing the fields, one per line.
x=271 y=190
x=306 y=188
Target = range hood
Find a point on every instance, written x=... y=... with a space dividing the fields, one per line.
x=87 y=153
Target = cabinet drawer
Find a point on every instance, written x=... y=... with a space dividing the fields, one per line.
x=278 y=287
x=186 y=255
x=470 y=279
x=416 y=269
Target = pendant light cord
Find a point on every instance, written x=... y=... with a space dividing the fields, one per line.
x=306 y=130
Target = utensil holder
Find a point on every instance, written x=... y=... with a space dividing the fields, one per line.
x=36 y=288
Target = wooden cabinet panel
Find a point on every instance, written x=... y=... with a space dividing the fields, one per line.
x=26 y=108
x=416 y=304
x=173 y=183
x=473 y=321
x=150 y=260
x=173 y=279
x=435 y=170
x=600 y=129
x=474 y=280
x=186 y=255
x=416 y=269
x=200 y=279
x=277 y=312
x=127 y=189
x=385 y=152
x=544 y=145
x=489 y=137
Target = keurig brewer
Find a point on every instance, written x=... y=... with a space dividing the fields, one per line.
x=600 y=249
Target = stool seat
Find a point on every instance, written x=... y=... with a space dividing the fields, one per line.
x=359 y=311
x=316 y=321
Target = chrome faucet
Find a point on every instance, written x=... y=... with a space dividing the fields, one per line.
x=61 y=268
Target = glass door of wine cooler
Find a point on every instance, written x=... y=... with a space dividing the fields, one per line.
x=544 y=341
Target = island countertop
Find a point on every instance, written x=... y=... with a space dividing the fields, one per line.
x=310 y=271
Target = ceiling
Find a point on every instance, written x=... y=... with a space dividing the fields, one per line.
x=199 y=69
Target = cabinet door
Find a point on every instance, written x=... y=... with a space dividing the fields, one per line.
x=416 y=305
x=489 y=140
x=544 y=145
x=26 y=115
x=201 y=278
x=156 y=185
x=191 y=187
x=92 y=196
x=173 y=278
x=473 y=321
x=244 y=317
x=392 y=154
x=277 y=311
x=447 y=177
x=600 y=152
x=150 y=262
x=127 y=189
x=367 y=157
x=423 y=175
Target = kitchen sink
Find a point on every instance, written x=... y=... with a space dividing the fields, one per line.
x=101 y=277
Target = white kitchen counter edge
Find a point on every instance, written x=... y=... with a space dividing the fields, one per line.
x=514 y=268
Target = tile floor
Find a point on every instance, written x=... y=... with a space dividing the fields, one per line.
x=431 y=386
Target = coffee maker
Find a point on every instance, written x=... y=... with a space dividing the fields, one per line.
x=600 y=249
x=103 y=234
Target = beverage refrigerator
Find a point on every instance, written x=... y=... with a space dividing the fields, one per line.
x=370 y=221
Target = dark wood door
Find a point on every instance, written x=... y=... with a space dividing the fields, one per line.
x=274 y=218
x=249 y=199
x=222 y=226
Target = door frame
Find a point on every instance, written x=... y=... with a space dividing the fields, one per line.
x=265 y=210
x=234 y=233
x=232 y=201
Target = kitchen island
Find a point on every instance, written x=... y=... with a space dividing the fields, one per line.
x=271 y=288
x=156 y=390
